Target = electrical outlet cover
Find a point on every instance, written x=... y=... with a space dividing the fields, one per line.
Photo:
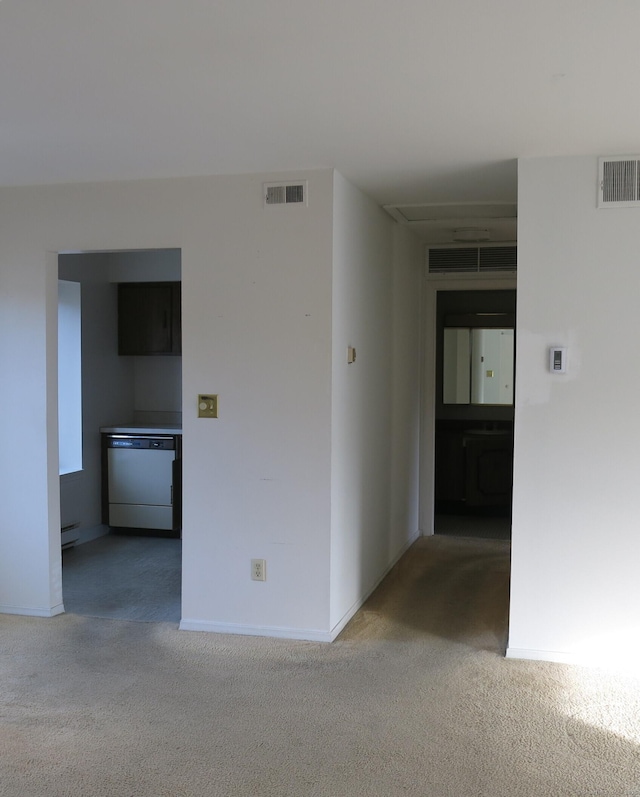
x=258 y=570
x=208 y=406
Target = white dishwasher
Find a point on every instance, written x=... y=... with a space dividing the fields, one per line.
x=140 y=480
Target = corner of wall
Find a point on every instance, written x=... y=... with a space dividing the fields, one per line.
x=374 y=283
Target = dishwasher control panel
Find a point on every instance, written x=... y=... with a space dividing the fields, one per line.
x=140 y=441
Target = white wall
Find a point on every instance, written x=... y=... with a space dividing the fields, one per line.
x=256 y=330
x=157 y=389
x=152 y=265
x=269 y=303
x=370 y=523
x=576 y=546
x=256 y=327
x=406 y=386
x=29 y=577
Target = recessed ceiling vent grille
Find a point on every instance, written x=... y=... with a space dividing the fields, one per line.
x=285 y=194
x=619 y=182
x=472 y=260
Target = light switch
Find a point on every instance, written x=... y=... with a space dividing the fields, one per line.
x=208 y=406
x=558 y=359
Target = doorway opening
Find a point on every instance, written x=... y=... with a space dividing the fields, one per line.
x=110 y=569
x=474 y=412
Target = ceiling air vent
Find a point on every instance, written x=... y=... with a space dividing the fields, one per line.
x=285 y=194
x=619 y=182
x=472 y=260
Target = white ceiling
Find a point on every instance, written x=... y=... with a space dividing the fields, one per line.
x=414 y=101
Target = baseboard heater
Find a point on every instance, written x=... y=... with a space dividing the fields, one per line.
x=69 y=534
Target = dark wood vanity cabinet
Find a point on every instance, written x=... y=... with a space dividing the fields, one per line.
x=474 y=465
x=149 y=318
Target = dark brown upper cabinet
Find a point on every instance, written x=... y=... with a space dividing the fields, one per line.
x=149 y=318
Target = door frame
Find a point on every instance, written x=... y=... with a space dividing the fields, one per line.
x=431 y=284
x=53 y=275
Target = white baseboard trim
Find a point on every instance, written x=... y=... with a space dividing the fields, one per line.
x=87 y=535
x=307 y=634
x=339 y=626
x=531 y=654
x=78 y=536
x=32 y=612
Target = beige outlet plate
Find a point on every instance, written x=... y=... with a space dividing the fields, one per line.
x=208 y=406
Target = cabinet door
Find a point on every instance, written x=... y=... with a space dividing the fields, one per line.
x=176 y=318
x=489 y=470
x=148 y=318
x=450 y=470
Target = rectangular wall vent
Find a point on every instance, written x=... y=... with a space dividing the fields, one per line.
x=619 y=182
x=472 y=260
x=285 y=194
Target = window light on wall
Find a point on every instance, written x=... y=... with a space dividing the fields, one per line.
x=69 y=377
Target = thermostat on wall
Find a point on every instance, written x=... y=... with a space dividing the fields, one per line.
x=558 y=359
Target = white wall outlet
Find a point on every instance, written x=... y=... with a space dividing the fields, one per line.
x=259 y=569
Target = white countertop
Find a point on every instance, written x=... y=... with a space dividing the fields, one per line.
x=138 y=428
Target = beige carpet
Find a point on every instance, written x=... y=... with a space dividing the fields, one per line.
x=415 y=698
